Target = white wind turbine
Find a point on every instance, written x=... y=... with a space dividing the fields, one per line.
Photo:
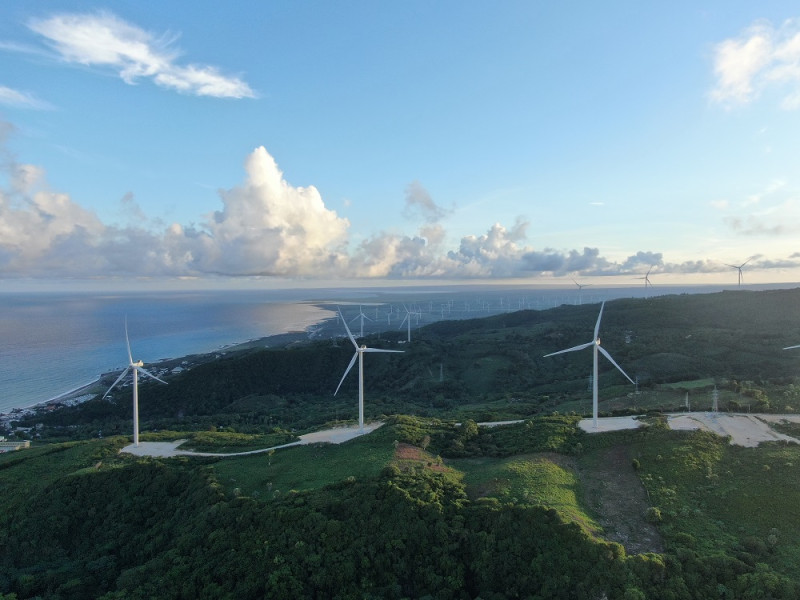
x=595 y=344
x=407 y=319
x=363 y=316
x=739 y=268
x=360 y=350
x=135 y=368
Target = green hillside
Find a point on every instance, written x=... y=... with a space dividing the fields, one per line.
x=385 y=516
x=432 y=505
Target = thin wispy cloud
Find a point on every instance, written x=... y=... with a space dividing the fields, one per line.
x=19 y=99
x=420 y=203
x=104 y=40
x=762 y=57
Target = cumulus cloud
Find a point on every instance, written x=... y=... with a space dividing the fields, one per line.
x=17 y=99
x=105 y=40
x=267 y=226
x=762 y=56
x=266 y=222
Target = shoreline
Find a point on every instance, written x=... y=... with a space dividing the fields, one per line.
x=314 y=331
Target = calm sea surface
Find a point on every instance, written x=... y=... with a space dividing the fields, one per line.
x=51 y=343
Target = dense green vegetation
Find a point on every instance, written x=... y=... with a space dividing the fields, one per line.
x=432 y=505
x=381 y=517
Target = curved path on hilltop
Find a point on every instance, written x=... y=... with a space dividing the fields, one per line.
x=743 y=429
x=336 y=435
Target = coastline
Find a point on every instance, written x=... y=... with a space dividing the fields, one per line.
x=314 y=331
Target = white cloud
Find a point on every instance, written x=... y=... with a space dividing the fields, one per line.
x=17 y=99
x=762 y=56
x=266 y=226
x=105 y=40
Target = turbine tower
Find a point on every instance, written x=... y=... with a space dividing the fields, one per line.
x=359 y=355
x=135 y=368
x=739 y=268
x=596 y=347
x=363 y=316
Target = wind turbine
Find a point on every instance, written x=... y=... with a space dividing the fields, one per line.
x=580 y=289
x=407 y=319
x=363 y=316
x=360 y=350
x=595 y=344
x=739 y=268
x=646 y=278
x=135 y=368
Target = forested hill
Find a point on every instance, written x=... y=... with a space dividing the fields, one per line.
x=485 y=368
x=436 y=506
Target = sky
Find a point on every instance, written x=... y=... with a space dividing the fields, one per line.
x=309 y=142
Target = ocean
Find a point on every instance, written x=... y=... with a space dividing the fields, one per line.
x=51 y=343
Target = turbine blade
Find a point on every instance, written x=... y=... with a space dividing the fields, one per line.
x=600 y=316
x=346 y=371
x=792 y=347
x=573 y=349
x=613 y=362
x=128 y=342
x=125 y=372
x=143 y=372
x=380 y=350
x=403 y=322
x=350 y=335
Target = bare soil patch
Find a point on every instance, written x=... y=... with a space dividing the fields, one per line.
x=619 y=501
x=408 y=454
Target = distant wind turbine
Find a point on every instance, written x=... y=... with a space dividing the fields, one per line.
x=363 y=316
x=595 y=344
x=580 y=289
x=407 y=319
x=739 y=268
x=646 y=278
x=135 y=368
x=359 y=355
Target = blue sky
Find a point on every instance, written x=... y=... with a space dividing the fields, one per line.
x=395 y=142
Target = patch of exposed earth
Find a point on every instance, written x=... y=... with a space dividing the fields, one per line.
x=616 y=496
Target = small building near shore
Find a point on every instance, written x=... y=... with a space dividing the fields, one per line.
x=6 y=446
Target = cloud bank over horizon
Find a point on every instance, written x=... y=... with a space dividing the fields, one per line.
x=267 y=227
